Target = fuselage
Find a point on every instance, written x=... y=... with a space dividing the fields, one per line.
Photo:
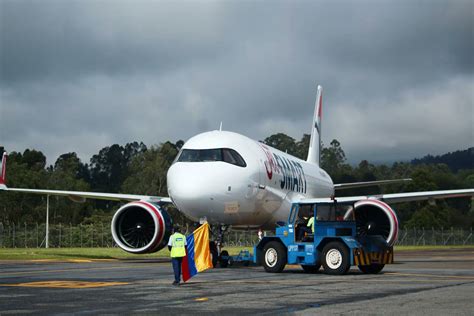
x=230 y=179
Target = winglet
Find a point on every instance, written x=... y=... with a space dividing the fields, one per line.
x=3 y=172
x=314 y=151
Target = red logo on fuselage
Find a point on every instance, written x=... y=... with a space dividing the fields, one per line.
x=269 y=163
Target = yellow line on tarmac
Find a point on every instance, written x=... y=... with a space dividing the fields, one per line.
x=66 y=284
x=67 y=260
x=462 y=277
x=81 y=269
x=71 y=260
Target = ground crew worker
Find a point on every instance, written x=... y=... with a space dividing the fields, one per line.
x=305 y=230
x=177 y=246
x=311 y=224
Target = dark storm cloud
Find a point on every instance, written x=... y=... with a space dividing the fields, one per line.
x=63 y=39
x=80 y=75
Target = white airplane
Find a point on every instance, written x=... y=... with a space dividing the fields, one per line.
x=229 y=179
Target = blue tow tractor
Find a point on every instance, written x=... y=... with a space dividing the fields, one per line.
x=340 y=240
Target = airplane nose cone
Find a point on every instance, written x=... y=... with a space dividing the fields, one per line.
x=208 y=189
x=182 y=183
x=189 y=188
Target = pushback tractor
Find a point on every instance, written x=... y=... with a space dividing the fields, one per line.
x=338 y=242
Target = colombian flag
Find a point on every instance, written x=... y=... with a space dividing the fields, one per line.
x=198 y=254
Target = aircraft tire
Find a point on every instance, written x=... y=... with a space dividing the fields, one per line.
x=374 y=268
x=224 y=262
x=335 y=258
x=214 y=255
x=274 y=257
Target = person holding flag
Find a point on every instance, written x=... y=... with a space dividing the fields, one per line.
x=198 y=253
x=177 y=246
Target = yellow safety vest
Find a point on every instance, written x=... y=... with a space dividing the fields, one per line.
x=177 y=245
x=311 y=223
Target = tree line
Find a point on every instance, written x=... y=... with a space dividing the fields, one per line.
x=138 y=169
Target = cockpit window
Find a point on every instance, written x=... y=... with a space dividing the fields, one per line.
x=211 y=155
x=193 y=155
x=218 y=154
x=233 y=157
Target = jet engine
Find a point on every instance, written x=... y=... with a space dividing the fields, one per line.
x=141 y=227
x=374 y=217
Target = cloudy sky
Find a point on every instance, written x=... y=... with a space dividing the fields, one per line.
x=398 y=76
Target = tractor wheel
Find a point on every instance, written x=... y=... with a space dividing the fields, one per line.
x=336 y=258
x=374 y=268
x=274 y=257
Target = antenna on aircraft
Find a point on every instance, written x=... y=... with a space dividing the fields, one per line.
x=220 y=127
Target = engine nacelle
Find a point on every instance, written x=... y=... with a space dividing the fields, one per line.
x=141 y=227
x=374 y=217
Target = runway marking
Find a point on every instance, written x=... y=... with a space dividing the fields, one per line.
x=72 y=260
x=463 y=277
x=201 y=299
x=66 y=284
x=81 y=269
x=68 y=260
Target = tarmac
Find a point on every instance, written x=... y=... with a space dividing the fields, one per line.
x=420 y=282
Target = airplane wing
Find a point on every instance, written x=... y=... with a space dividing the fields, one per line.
x=342 y=186
x=403 y=197
x=79 y=196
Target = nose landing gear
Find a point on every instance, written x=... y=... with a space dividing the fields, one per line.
x=218 y=255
